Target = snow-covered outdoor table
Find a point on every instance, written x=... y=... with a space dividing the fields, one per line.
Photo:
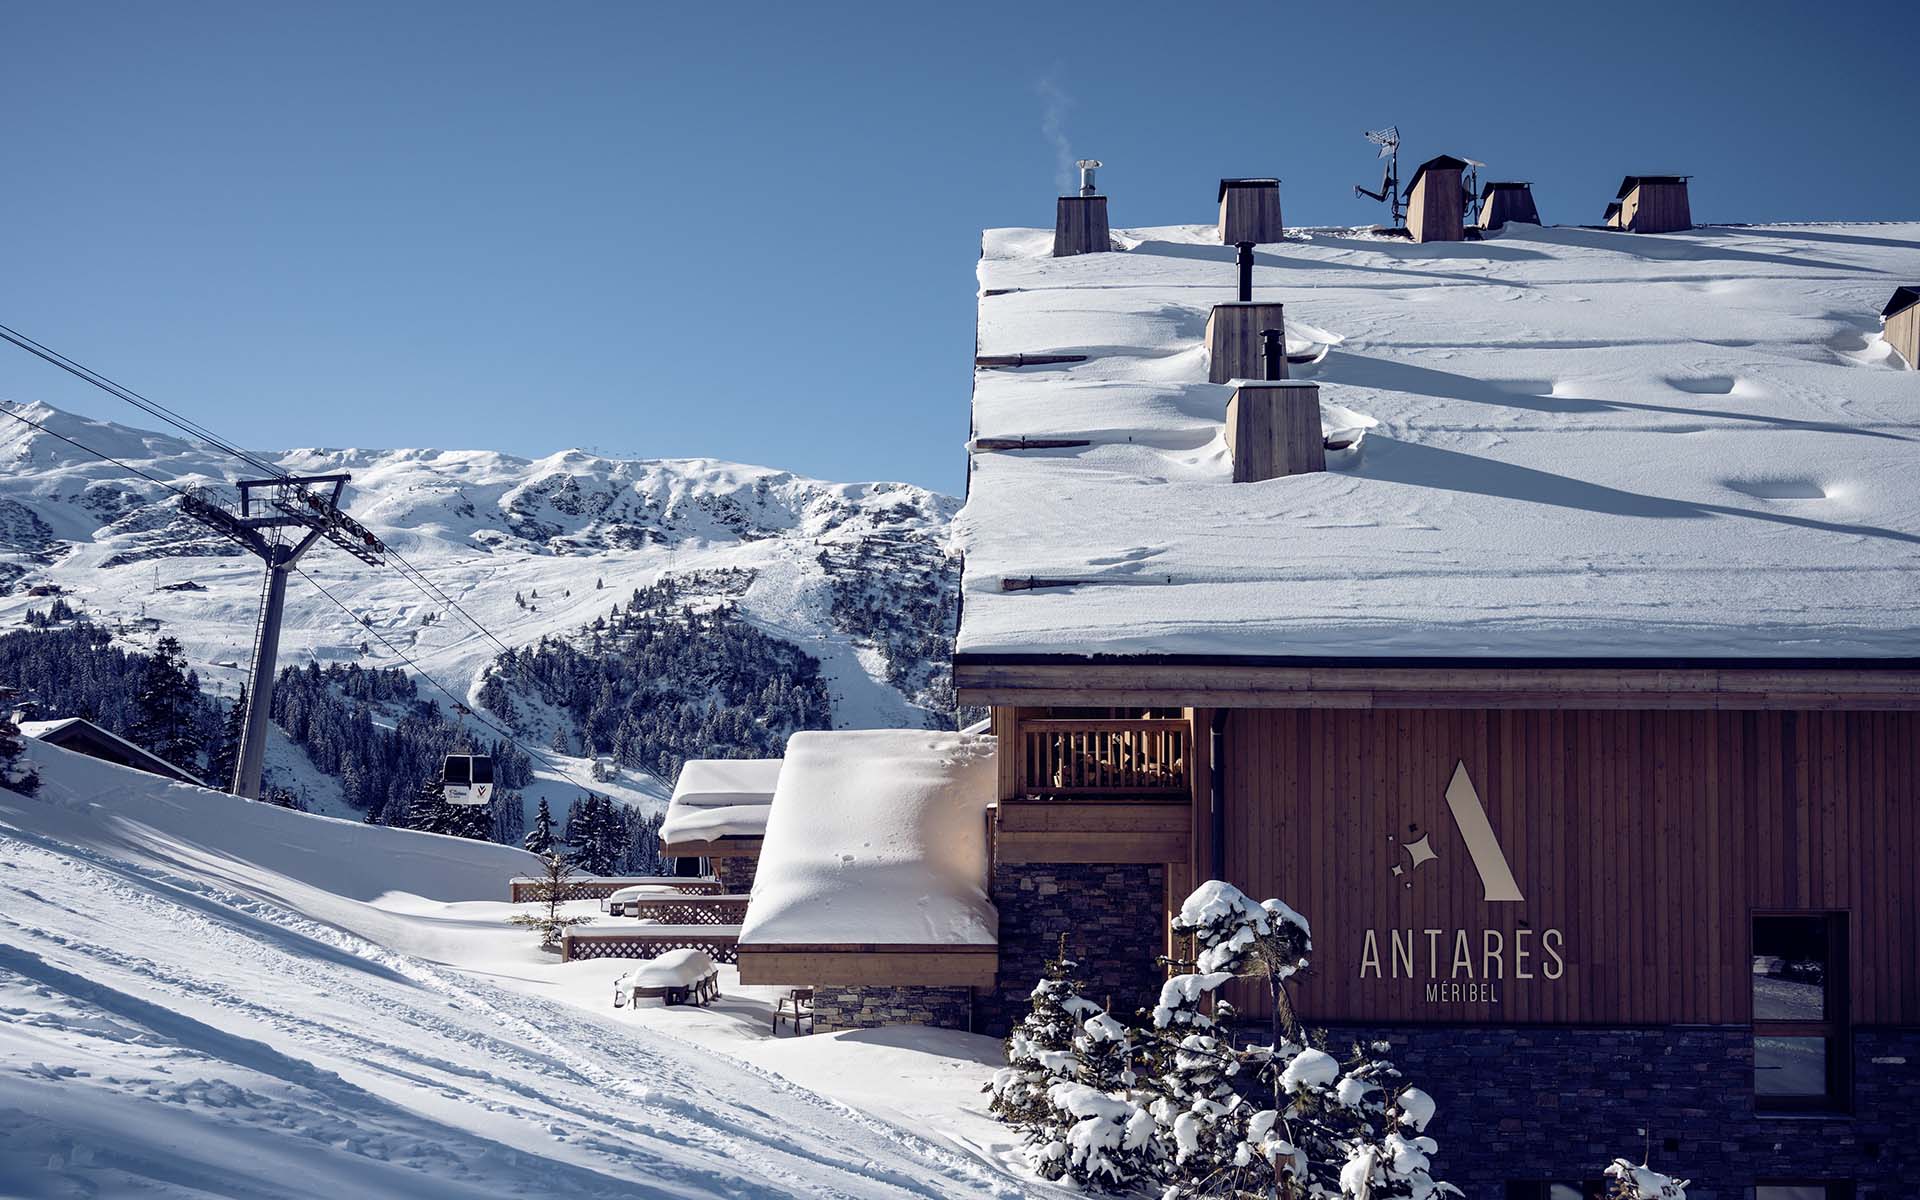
x=676 y=977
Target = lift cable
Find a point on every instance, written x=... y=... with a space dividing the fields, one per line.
x=341 y=605
x=193 y=429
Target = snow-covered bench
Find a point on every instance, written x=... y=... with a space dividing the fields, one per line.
x=676 y=977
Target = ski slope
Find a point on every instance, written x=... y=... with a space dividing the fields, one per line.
x=201 y=996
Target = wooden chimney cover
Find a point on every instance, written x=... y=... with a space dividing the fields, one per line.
x=1233 y=338
x=1273 y=429
x=1250 y=211
x=1080 y=226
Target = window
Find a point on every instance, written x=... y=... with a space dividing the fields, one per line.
x=1803 y=1191
x=1800 y=1044
x=1591 y=1190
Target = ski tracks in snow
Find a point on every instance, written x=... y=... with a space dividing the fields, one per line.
x=406 y=1075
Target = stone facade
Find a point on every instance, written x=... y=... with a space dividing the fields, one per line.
x=735 y=874
x=871 y=1007
x=1111 y=914
x=1560 y=1102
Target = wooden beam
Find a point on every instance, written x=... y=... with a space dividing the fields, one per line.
x=726 y=847
x=880 y=966
x=1091 y=682
x=1091 y=831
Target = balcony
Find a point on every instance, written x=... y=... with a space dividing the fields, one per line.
x=1071 y=759
x=1095 y=790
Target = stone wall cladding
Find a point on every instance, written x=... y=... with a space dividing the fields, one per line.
x=1546 y=1102
x=871 y=1007
x=735 y=874
x=1112 y=916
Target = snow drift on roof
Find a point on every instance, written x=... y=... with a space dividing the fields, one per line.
x=701 y=824
x=1589 y=445
x=878 y=837
x=720 y=782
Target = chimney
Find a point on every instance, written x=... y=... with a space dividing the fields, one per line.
x=1233 y=340
x=1273 y=429
x=1250 y=212
x=1080 y=222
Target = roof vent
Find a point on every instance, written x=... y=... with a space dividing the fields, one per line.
x=1900 y=324
x=1437 y=200
x=1080 y=222
x=1505 y=201
x=1273 y=429
x=1651 y=204
x=1233 y=339
x=1250 y=212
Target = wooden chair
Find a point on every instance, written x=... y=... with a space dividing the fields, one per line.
x=795 y=1007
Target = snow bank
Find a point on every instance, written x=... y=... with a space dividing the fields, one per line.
x=877 y=837
x=725 y=782
x=175 y=826
x=1587 y=444
x=702 y=824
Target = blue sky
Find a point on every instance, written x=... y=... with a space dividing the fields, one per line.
x=748 y=231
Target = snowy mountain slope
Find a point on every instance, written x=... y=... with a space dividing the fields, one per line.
x=528 y=547
x=200 y=996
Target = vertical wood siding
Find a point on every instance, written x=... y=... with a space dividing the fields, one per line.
x=1646 y=838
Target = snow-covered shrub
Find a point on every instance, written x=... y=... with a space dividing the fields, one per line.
x=1040 y=1049
x=1628 y=1182
x=1174 y=1100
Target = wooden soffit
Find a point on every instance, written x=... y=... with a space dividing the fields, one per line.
x=869 y=965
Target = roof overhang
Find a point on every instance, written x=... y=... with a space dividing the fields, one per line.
x=844 y=965
x=725 y=847
x=1885 y=685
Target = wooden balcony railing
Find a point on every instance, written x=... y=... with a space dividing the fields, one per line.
x=1066 y=758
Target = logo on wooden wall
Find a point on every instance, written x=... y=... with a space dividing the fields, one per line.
x=1483 y=846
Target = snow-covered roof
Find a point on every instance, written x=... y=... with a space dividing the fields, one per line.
x=704 y=824
x=722 y=782
x=78 y=733
x=1590 y=445
x=878 y=837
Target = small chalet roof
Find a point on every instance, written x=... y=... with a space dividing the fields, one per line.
x=1227 y=183
x=723 y=782
x=878 y=838
x=1633 y=181
x=84 y=737
x=1444 y=162
x=1904 y=297
x=1487 y=189
x=705 y=824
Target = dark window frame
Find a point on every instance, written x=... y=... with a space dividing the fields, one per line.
x=1835 y=1025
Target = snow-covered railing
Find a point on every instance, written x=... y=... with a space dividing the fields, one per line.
x=597 y=887
x=1142 y=757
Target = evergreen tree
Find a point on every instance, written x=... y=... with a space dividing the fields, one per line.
x=1628 y=1182
x=428 y=811
x=165 y=701
x=15 y=776
x=540 y=837
x=1040 y=1050
x=224 y=761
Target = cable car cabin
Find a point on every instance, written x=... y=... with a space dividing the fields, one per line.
x=467 y=779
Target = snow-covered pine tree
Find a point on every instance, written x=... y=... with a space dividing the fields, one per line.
x=165 y=703
x=1040 y=1048
x=224 y=760
x=15 y=776
x=1626 y=1181
x=549 y=921
x=1262 y=940
x=427 y=812
x=540 y=837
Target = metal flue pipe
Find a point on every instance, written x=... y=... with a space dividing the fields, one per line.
x=1273 y=350
x=1243 y=258
x=1087 y=166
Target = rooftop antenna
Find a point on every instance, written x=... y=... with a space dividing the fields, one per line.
x=1388 y=140
x=1470 y=188
x=268 y=507
x=1087 y=167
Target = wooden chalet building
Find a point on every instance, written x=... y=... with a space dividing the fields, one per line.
x=1592 y=759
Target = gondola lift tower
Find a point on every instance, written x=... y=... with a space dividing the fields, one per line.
x=279 y=521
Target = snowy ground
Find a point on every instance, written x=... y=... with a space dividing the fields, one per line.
x=205 y=997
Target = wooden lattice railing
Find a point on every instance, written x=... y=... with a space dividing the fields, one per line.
x=1146 y=758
